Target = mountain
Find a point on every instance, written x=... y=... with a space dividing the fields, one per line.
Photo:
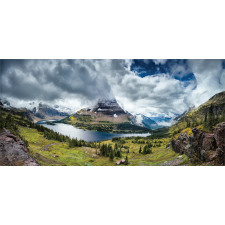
x=106 y=115
x=200 y=133
x=145 y=121
x=157 y=121
x=45 y=112
x=107 y=110
x=35 y=113
x=206 y=115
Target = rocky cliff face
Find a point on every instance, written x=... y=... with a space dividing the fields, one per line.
x=13 y=152
x=105 y=110
x=202 y=146
x=108 y=107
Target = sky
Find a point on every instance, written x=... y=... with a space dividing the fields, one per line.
x=151 y=87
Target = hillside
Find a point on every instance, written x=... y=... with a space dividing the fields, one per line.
x=105 y=116
x=207 y=115
x=200 y=134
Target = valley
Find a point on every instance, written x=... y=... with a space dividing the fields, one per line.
x=196 y=139
x=51 y=149
x=54 y=153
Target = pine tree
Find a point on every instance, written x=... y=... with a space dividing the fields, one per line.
x=205 y=120
x=111 y=156
x=140 y=150
x=211 y=119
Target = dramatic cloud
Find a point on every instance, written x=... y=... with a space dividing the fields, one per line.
x=150 y=87
x=53 y=80
x=210 y=77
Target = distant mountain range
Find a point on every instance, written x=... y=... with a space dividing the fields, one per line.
x=37 y=113
x=104 y=111
x=144 y=121
x=45 y=112
x=105 y=115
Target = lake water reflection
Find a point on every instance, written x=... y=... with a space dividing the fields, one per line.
x=86 y=135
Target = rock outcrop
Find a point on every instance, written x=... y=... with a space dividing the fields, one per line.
x=219 y=134
x=13 y=152
x=202 y=146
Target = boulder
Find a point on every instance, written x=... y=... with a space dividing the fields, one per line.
x=179 y=145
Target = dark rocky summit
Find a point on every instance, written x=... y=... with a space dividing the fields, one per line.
x=202 y=146
x=108 y=107
x=13 y=152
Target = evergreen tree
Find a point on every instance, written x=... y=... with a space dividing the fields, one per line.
x=140 y=150
x=206 y=118
x=211 y=118
x=111 y=156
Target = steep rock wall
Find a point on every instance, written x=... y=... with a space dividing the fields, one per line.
x=202 y=146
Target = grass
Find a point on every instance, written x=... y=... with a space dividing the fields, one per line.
x=160 y=153
x=54 y=153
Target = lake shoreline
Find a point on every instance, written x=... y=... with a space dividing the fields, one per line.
x=86 y=135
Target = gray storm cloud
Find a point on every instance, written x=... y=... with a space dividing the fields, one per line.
x=52 y=79
x=78 y=83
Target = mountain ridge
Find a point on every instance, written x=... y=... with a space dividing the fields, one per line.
x=37 y=113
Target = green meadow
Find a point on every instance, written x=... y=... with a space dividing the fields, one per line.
x=55 y=153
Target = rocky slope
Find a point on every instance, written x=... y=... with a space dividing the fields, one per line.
x=13 y=152
x=203 y=146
